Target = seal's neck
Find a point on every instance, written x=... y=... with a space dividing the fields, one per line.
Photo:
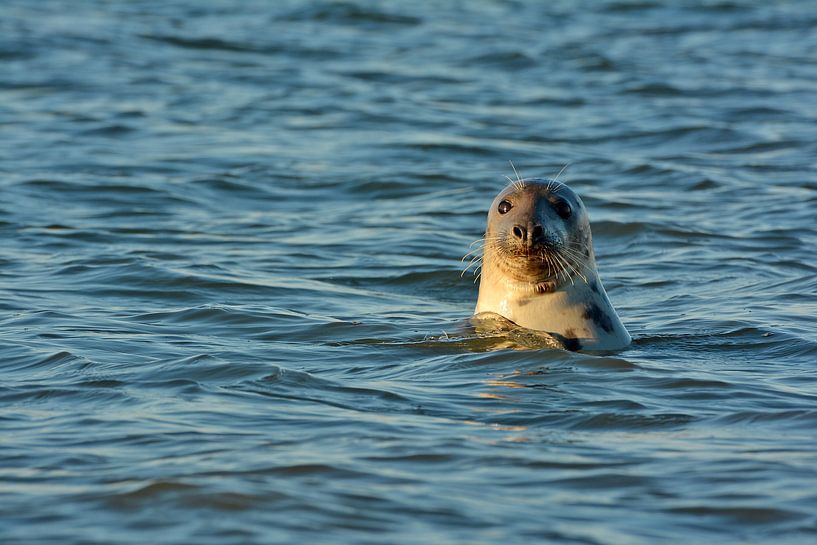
x=577 y=310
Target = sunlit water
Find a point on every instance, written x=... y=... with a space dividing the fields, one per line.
x=231 y=292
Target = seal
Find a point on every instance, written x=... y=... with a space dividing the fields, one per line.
x=539 y=268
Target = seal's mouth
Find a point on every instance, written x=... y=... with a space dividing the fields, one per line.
x=543 y=263
x=534 y=251
x=535 y=262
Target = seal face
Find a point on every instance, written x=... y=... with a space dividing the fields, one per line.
x=539 y=269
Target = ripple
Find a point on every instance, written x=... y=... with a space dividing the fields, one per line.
x=208 y=43
x=511 y=59
x=621 y=228
x=748 y=515
x=351 y=14
x=296 y=385
x=232 y=307
x=198 y=371
x=152 y=492
x=655 y=90
x=804 y=418
x=602 y=481
x=50 y=363
x=116 y=129
x=633 y=421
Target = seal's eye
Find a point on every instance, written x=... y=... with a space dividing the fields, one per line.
x=563 y=209
x=504 y=207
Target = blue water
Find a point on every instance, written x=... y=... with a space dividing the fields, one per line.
x=231 y=302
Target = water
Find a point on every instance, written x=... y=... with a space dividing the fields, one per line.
x=232 y=309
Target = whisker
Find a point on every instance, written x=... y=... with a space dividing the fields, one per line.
x=554 y=182
x=556 y=179
x=476 y=264
x=476 y=278
x=514 y=171
x=519 y=184
x=574 y=269
x=578 y=258
x=551 y=265
x=565 y=264
x=575 y=251
x=480 y=244
x=477 y=260
x=558 y=267
x=475 y=251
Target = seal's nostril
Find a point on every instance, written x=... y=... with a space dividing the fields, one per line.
x=519 y=232
x=538 y=232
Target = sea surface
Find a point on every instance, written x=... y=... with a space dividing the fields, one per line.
x=232 y=301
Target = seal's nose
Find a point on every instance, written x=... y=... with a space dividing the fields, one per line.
x=530 y=235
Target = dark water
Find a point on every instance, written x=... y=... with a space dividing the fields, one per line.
x=232 y=310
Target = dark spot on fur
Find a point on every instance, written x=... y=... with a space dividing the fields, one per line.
x=594 y=313
x=594 y=286
x=572 y=344
x=569 y=340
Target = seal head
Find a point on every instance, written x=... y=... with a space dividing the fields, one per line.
x=539 y=269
